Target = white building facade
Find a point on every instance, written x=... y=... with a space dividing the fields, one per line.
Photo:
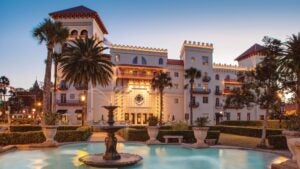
x=130 y=88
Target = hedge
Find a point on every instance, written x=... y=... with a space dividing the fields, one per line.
x=270 y=123
x=26 y=128
x=277 y=141
x=245 y=131
x=131 y=134
x=80 y=134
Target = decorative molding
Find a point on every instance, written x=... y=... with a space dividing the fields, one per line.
x=77 y=23
x=138 y=48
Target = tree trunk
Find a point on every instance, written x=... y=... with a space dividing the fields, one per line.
x=84 y=111
x=298 y=96
x=161 y=107
x=191 y=104
x=55 y=88
x=47 y=83
x=262 y=143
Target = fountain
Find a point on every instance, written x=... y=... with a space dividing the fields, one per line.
x=111 y=158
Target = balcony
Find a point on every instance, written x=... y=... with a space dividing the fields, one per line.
x=232 y=81
x=219 y=106
x=138 y=75
x=201 y=91
x=206 y=79
x=218 y=92
x=233 y=106
x=68 y=102
x=63 y=87
x=228 y=92
x=79 y=86
x=194 y=104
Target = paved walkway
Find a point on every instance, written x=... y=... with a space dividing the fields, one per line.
x=100 y=136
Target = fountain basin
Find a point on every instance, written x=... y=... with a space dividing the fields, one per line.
x=97 y=160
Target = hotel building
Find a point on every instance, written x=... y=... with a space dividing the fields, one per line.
x=130 y=87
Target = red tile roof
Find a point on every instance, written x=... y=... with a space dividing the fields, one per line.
x=252 y=50
x=174 y=62
x=79 y=11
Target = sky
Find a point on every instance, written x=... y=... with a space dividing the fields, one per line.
x=231 y=25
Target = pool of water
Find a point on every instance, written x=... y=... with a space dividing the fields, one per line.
x=154 y=157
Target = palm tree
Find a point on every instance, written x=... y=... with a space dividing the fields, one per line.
x=289 y=67
x=56 y=59
x=83 y=61
x=4 y=83
x=51 y=33
x=191 y=74
x=160 y=81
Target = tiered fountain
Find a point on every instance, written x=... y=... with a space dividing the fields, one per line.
x=111 y=158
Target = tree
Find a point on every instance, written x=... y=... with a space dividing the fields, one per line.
x=56 y=60
x=51 y=33
x=160 y=81
x=289 y=67
x=4 y=83
x=83 y=61
x=267 y=80
x=191 y=74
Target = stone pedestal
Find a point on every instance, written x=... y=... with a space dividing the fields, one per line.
x=290 y=135
x=200 y=134
x=152 y=133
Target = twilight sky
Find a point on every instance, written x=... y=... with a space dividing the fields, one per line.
x=231 y=25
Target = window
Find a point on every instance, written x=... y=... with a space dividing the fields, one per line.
x=176 y=100
x=74 y=33
x=227 y=114
x=238 y=116
x=144 y=61
x=261 y=117
x=84 y=34
x=176 y=86
x=193 y=100
x=117 y=58
x=205 y=99
x=160 y=61
x=205 y=60
x=168 y=73
x=227 y=77
x=193 y=59
x=217 y=77
x=72 y=96
x=248 y=116
x=63 y=98
x=199 y=85
x=176 y=74
x=135 y=60
x=217 y=101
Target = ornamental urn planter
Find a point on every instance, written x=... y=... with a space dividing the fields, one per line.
x=296 y=144
x=200 y=134
x=290 y=135
x=152 y=133
x=49 y=132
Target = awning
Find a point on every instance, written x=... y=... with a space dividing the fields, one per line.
x=62 y=111
x=78 y=111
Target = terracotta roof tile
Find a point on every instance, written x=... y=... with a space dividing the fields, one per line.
x=253 y=49
x=175 y=62
x=79 y=11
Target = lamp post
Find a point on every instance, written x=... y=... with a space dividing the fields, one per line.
x=282 y=110
x=83 y=100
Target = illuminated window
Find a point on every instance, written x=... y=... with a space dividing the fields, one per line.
x=238 y=116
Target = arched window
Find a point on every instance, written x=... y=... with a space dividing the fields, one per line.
x=84 y=34
x=217 y=77
x=117 y=58
x=144 y=61
x=135 y=60
x=160 y=61
x=227 y=77
x=74 y=33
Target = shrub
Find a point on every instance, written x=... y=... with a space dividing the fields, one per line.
x=201 y=121
x=50 y=118
x=68 y=127
x=142 y=135
x=277 y=141
x=21 y=138
x=179 y=125
x=152 y=121
x=25 y=128
x=271 y=123
x=245 y=131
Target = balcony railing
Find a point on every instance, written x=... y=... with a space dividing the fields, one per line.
x=142 y=76
x=219 y=106
x=232 y=81
x=218 y=92
x=194 y=104
x=206 y=79
x=233 y=106
x=228 y=92
x=201 y=91
x=69 y=102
